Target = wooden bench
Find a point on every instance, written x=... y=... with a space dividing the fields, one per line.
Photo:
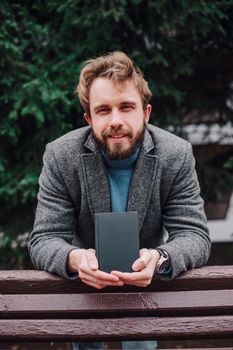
x=36 y=306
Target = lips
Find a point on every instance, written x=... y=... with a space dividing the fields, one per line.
x=117 y=136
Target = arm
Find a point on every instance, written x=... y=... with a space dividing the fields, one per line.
x=50 y=244
x=51 y=239
x=184 y=219
x=188 y=245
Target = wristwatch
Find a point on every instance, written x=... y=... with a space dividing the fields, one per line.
x=164 y=261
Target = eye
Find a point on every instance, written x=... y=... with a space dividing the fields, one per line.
x=103 y=111
x=127 y=107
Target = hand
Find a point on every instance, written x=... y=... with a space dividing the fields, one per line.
x=144 y=268
x=84 y=262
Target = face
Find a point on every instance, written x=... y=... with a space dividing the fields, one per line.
x=117 y=117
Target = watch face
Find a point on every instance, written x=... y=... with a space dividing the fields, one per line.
x=163 y=261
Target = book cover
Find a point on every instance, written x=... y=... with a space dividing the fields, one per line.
x=116 y=240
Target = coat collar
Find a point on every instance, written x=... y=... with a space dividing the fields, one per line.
x=96 y=182
x=147 y=144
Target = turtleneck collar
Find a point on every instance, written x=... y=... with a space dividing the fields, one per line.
x=126 y=163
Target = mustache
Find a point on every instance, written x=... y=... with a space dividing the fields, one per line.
x=117 y=132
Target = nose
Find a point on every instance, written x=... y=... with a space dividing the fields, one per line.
x=116 y=119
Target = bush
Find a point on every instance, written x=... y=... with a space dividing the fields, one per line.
x=184 y=48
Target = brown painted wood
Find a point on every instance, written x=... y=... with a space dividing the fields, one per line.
x=117 y=329
x=54 y=312
x=83 y=305
x=30 y=281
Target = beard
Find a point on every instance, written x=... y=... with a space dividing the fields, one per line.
x=119 y=151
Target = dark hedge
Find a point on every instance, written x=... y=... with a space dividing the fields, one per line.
x=185 y=49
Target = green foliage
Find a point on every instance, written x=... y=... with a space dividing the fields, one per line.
x=229 y=163
x=217 y=182
x=13 y=251
x=184 y=48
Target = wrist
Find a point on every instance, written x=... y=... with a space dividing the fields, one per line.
x=73 y=259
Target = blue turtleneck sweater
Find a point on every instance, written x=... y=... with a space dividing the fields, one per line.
x=119 y=177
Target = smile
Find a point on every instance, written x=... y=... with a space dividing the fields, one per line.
x=117 y=136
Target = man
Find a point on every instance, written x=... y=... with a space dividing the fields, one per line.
x=118 y=163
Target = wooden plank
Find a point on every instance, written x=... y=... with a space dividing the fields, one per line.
x=31 y=281
x=83 y=305
x=143 y=328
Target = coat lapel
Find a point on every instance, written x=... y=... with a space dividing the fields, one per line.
x=143 y=179
x=95 y=179
x=96 y=182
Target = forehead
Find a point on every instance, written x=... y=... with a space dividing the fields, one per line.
x=105 y=91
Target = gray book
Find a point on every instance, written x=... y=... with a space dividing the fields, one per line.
x=116 y=240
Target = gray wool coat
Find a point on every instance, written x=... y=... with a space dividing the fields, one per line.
x=164 y=191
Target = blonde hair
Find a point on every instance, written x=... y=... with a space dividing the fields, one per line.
x=117 y=67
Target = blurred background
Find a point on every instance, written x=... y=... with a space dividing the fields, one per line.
x=185 y=49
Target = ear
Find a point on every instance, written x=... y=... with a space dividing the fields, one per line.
x=148 y=110
x=88 y=119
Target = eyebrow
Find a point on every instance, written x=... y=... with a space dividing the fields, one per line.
x=121 y=104
x=100 y=106
x=128 y=103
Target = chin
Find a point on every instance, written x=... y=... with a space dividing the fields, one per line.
x=119 y=153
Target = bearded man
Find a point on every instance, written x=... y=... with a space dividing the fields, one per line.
x=118 y=163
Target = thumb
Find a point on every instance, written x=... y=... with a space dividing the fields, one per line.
x=143 y=261
x=91 y=259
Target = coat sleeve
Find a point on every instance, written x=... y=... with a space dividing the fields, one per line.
x=51 y=239
x=184 y=219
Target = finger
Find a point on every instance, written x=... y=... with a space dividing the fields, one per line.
x=93 y=284
x=93 y=278
x=138 y=283
x=97 y=274
x=143 y=261
x=131 y=276
x=100 y=277
x=107 y=277
x=98 y=284
x=135 y=279
x=91 y=259
x=84 y=266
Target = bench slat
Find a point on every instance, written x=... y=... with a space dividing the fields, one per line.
x=208 y=277
x=79 y=305
x=117 y=329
